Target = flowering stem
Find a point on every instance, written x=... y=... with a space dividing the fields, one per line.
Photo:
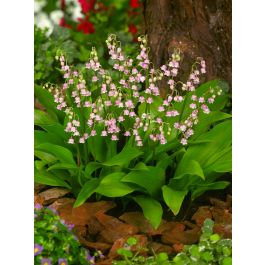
x=183 y=108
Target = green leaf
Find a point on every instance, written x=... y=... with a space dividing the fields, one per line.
x=47 y=178
x=127 y=154
x=200 y=189
x=227 y=261
x=191 y=168
x=125 y=252
x=207 y=228
x=131 y=241
x=42 y=118
x=140 y=166
x=91 y=167
x=208 y=153
x=46 y=99
x=97 y=146
x=194 y=251
x=49 y=124
x=207 y=256
x=173 y=198
x=63 y=154
x=87 y=190
x=161 y=257
x=46 y=157
x=62 y=166
x=151 y=180
x=152 y=209
x=41 y=137
x=205 y=121
x=40 y=164
x=111 y=186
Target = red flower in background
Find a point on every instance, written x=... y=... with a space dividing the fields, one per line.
x=87 y=5
x=62 y=23
x=85 y=25
x=133 y=29
x=134 y=3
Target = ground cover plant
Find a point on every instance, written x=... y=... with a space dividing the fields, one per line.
x=108 y=133
x=210 y=250
x=54 y=242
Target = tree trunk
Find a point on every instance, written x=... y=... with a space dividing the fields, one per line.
x=199 y=28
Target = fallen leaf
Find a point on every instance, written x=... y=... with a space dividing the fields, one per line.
x=218 y=203
x=177 y=235
x=178 y=247
x=105 y=262
x=114 y=228
x=201 y=214
x=119 y=243
x=223 y=230
x=221 y=216
x=84 y=213
x=39 y=187
x=50 y=195
x=137 y=219
x=156 y=247
x=38 y=199
x=61 y=202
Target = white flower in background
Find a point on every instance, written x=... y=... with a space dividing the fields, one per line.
x=38 y=5
x=75 y=10
x=56 y=16
x=43 y=21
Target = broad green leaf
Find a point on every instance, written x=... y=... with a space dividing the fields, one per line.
x=221 y=163
x=91 y=167
x=42 y=118
x=62 y=166
x=47 y=178
x=63 y=154
x=173 y=198
x=127 y=154
x=57 y=129
x=151 y=180
x=207 y=153
x=39 y=164
x=192 y=168
x=47 y=100
x=41 y=137
x=46 y=157
x=205 y=120
x=87 y=190
x=162 y=149
x=152 y=209
x=219 y=185
x=97 y=146
x=140 y=166
x=49 y=124
x=165 y=161
x=111 y=186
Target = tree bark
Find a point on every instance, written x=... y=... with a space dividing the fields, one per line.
x=199 y=28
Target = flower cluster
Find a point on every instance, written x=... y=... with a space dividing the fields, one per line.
x=129 y=103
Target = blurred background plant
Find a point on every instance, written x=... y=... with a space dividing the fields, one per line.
x=75 y=26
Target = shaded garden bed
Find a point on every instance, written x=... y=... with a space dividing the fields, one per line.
x=101 y=226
